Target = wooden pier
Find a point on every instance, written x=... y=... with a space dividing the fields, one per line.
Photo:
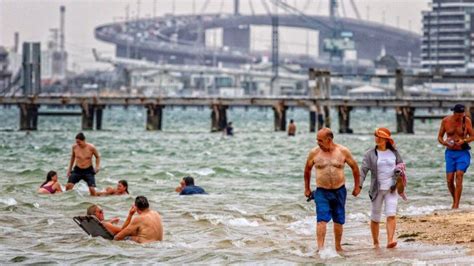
x=318 y=108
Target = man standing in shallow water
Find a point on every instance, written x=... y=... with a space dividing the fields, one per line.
x=459 y=133
x=330 y=195
x=81 y=158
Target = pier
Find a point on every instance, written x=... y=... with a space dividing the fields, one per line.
x=92 y=109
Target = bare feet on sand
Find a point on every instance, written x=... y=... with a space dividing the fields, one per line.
x=392 y=245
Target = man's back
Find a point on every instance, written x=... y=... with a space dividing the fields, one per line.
x=150 y=227
x=191 y=190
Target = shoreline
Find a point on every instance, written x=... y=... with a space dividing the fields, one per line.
x=448 y=227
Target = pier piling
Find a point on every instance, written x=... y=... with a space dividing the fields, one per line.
x=218 y=117
x=344 y=119
x=279 y=111
x=28 y=116
x=405 y=119
x=153 y=116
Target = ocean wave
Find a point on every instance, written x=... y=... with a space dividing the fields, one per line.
x=418 y=210
x=8 y=201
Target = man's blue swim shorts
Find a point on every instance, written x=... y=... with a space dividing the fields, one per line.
x=330 y=203
x=457 y=160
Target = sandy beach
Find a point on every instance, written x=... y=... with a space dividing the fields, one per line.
x=451 y=227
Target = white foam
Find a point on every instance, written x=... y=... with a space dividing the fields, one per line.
x=358 y=217
x=50 y=221
x=36 y=204
x=303 y=227
x=417 y=210
x=242 y=222
x=205 y=171
x=170 y=174
x=328 y=253
x=238 y=243
x=8 y=201
x=233 y=208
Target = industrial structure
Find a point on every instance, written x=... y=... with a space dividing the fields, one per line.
x=180 y=39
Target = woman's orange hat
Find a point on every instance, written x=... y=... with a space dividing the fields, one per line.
x=384 y=133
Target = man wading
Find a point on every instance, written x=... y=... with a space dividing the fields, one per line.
x=330 y=196
x=81 y=158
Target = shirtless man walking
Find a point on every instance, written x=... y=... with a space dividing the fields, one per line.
x=81 y=158
x=330 y=196
x=144 y=228
x=459 y=133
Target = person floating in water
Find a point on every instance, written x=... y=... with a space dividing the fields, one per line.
x=81 y=159
x=229 y=130
x=382 y=163
x=51 y=185
x=187 y=187
x=98 y=212
x=330 y=196
x=292 y=128
x=144 y=228
x=122 y=189
x=459 y=133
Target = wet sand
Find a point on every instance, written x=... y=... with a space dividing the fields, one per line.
x=448 y=227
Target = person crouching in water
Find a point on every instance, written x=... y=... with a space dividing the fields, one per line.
x=187 y=187
x=51 y=185
x=122 y=189
x=381 y=161
x=144 y=228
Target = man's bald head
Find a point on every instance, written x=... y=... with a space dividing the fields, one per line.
x=324 y=138
x=325 y=133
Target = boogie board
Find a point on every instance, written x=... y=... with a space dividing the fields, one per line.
x=93 y=226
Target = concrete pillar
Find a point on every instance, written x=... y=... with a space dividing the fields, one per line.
x=87 y=117
x=327 y=116
x=279 y=112
x=312 y=118
x=218 y=117
x=154 y=117
x=344 y=119
x=28 y=116
x=98 y=116
x=399 y=93
x=405 y=120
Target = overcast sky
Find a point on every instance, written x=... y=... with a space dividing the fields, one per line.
x=33 y=19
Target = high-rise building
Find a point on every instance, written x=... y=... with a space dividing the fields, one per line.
x=448 y=36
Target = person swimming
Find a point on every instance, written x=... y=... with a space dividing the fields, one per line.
x=51 y=185
x=122 y=189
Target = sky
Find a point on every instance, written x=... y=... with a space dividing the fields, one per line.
x=33 y=19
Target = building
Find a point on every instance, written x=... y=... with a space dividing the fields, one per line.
x=5 y=74
x=448 y=36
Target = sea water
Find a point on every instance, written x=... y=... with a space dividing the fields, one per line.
x=255 y=211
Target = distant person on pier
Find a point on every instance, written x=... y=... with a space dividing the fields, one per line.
x=229 y=130
x=292 y=128
x=51 y=184
x=383 y=161
x=121 y=189
x=81 y=159
x=328 y=160
x=458 y=130
x=187 y=187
